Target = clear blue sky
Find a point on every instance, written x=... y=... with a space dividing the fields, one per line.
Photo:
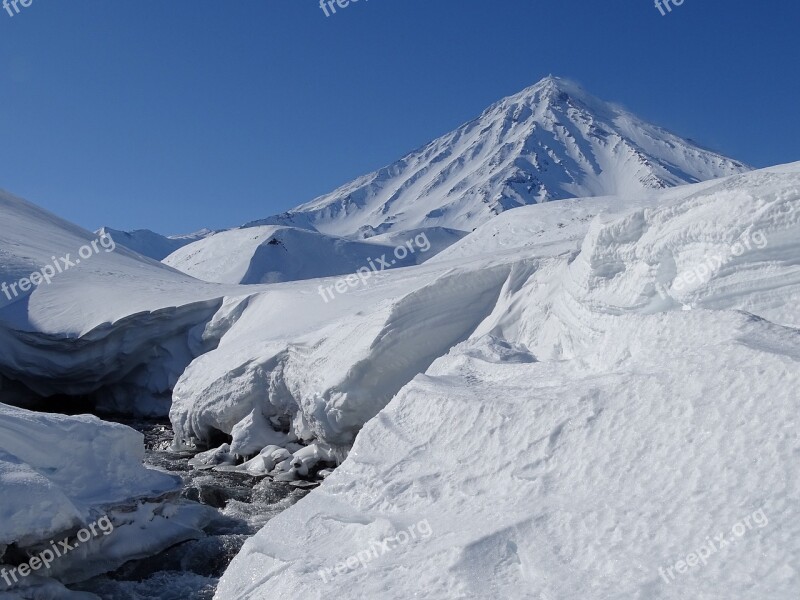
x=180 y=114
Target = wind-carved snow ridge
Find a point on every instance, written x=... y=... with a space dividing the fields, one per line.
x=551 y=141
x=591 y=433
x=328 y=382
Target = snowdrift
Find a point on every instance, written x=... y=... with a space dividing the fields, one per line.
x=630 y=398
x=112 y=321
x=273 y=254
x=328 y=369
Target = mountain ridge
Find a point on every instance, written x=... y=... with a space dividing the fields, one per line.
x=551 y=141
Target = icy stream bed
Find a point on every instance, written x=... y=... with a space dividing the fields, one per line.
x=243 y=504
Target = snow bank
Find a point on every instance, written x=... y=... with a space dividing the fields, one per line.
x=59 y=474
x=554 y=480
x=115 y=321
x=273 y=254
x=321 y=367
x=596 y=432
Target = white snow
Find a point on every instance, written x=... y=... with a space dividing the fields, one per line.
x=572 y=396
x=58 y=474
x=151 y=244
x=330 y=367
x=551 y=141
x=272 y=254
x=134 y=317
x=587 y=433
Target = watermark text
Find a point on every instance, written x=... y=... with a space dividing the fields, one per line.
x=421 y=530
x=47 y=557
x=46 y=274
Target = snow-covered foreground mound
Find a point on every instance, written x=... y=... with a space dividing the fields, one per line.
x=273 y=254
x=620 y=424
x=323 y=369
x=60 y=475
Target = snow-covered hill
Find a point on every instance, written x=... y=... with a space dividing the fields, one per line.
x=101 y=317
x=150 y=244
x=272 y=254
x=550 y=141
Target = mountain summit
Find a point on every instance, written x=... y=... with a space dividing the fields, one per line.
x=551 y=141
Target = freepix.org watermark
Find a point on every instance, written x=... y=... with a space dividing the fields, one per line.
x=48 y=556
x=15 y=4
x=329 y=6
x=702 y=271
x=45 y=275
x=363 y=275
x=711 y=547
x=665 y=6
x=421 y=530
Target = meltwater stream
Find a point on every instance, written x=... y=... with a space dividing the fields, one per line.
x=191 y=570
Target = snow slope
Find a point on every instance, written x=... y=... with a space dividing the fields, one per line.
x=273 y=254
x=551 y=141
x=329 y=367
x=576 y=427
x=609 y=416
x=114 y=321
x=153 y=245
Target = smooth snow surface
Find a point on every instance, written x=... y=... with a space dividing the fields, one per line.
x=619 y=395
x=274 y=254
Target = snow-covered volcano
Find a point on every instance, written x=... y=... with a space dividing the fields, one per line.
x=551 y=141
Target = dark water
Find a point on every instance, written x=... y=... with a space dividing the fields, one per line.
x=191 y=570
